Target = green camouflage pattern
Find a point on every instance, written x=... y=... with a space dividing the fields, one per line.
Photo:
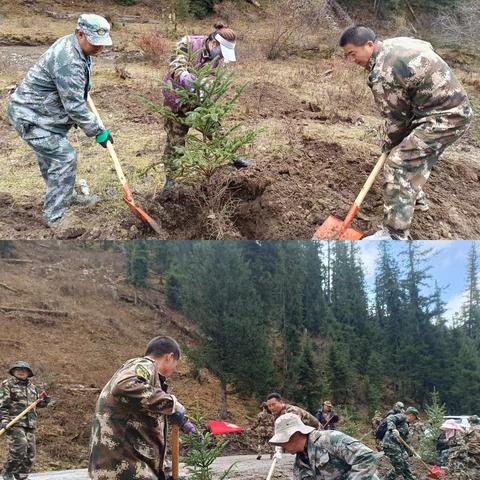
x=20 y=364
x=263 y=428
x=15 y=396
x=425 y=109
x=53 y=94
x=129 y=429
x=416 y=433
x=21 y=453
x=306 y=417
x=446 y=447
x=333 y=455
x=394 y=450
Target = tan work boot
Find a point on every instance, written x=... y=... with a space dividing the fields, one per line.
x=69 y=226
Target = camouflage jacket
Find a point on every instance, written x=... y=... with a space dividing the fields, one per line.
x=412 y=85
x=129 y=429
x=306 y=417
x=416 y=432
x=15 y=396
x=53 y=94
x=397 y=421
x=264 y=424
x=330 y=455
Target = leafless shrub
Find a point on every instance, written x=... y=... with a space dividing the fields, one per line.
x=459 y=27
x=154 y=45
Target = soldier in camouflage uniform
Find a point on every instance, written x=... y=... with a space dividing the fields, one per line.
x=425 y=108
x=263 y=427
x=397 y=427
x=278 y=407
x=416 y=430
x=129 y=430
x=16 y=394
x=50 y=101
x=323 y=454
x=206 y=49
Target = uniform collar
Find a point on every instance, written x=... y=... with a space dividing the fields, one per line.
x=163 y=379
x=373 y=58
x=18 y=381
x=76 y=46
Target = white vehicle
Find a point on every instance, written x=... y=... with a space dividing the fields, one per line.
x=461 y=419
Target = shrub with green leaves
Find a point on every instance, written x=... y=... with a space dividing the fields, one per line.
x=202 y=449
x=436 y=410
x=209 y=144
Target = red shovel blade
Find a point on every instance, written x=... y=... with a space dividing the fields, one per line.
x=141 y=214
x=436 y=472
x=332 y=229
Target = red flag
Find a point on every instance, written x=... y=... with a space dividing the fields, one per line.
x=217 y=428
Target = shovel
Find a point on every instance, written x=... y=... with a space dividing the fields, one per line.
x=434 y=472
x=175 y=439
x=22 y=414
x=335 y=229
x=127 y=194
x=272 y=469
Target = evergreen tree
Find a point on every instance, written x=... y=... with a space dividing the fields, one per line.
x=471 y=308
x=137 y=263
x=308 y=391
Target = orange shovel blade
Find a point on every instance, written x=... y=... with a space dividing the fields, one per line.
x=141 y=214
x=332 y=229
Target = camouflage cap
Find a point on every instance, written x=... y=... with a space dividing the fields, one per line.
x=21 y=364
x=327 y=403
x=399 y=406
x=413 y=411
x=95 y=28
x=474 y=419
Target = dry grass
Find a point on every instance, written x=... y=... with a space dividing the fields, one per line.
x=155 y=46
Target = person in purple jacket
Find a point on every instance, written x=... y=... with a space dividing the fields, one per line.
x=208 y=48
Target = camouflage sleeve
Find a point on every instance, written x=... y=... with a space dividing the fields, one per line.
x=310 y=420
x=179 y=63
x=70 y=80
x=363 y=461
x=5 y=400
x=391 y=422
x=133 y=386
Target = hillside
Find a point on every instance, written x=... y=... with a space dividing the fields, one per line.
x=318 y=132
x=73 y=355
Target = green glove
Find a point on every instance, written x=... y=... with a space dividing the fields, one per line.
x=103 y=138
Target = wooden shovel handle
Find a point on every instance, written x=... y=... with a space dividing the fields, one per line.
x=371 y=178
x=111 y=150
x=272 y=469
x=175 y=445
x=21 y=415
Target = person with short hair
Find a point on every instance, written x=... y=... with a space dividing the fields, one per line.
x=327 y=417
x=425 y=108
x=207 y=49
x=278 y=407
x=129 y=429
x=263 y=428
x=48 y=103
x=323 y=454
x=16 y=394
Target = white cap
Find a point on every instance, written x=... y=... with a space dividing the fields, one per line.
x=286 y=425
x=228 y=49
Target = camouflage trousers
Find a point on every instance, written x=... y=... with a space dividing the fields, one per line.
x=408 y=168
x=176 y=137
x=58 y=165
x=398 y=459
x=21 y=452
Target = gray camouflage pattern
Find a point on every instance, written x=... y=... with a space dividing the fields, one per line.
x=50 y=100
x=333 y=455
x=425 y=109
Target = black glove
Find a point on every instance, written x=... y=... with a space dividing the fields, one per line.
x=46 y=400
x=241 y=163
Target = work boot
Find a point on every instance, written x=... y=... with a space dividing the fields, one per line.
x=421 y=205
x=241 y=163
x=386 y=234
x=69 y=226
x=84 y=200
x=259 y=457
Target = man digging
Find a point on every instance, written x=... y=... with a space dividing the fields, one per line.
x=129 y=430
x=323 y=454
x=425 y=109
x=48 y=103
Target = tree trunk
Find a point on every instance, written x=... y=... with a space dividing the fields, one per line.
x=223 y=401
